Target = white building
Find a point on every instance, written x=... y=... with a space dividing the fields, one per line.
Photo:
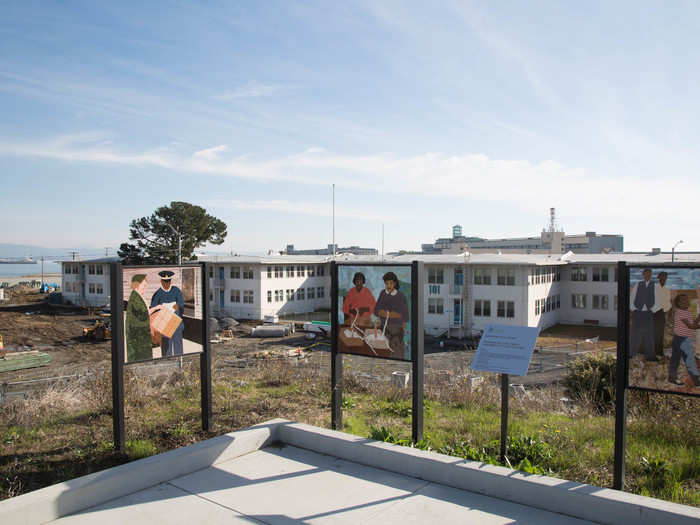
x=86 y=282
x=462 y=292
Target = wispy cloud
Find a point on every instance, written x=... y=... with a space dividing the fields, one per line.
x=302 y=208
x=471 y=178
x=252 y=89
x=210 y=153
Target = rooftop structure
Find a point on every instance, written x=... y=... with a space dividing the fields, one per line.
x=330 y=250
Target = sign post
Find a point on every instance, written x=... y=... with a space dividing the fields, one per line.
x=507 y=350
x=117 y=309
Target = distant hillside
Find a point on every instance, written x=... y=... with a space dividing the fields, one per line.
x=23 y=250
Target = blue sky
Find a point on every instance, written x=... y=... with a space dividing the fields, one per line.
x=424 y=115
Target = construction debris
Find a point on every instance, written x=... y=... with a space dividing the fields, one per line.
x=20 y=360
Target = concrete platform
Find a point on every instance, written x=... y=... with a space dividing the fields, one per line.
x=282 y=472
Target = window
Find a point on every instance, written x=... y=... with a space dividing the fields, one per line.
x=558 y=301
x=615 y=273
x=75 y=269
x=320 y=292
x=235 y=296
x=505 y=309
x=434 y=289
x=578 y=273
x=91 y=288
x=300 y=294
x=248 y=296
x=548 y=305
x=211 y=272
x=435 y=275
x=99 y=289
x=247 y=272
x=616 y=302
x=310 y=271
x=290 y=295
x=269 y=295
x=537 y=307
x=211 y=296
x=91 y=269
x=311 y=292
x=578 y=300
x=321 y=271
x=600 y=273
x=482 y=276
x=505 y=277
x=300 y=271
x=277 y=296
x=100 y=269
x=436 y=306
x=279 y=271
x=235 y=272
x=557 y=274
x=290 y=271
x=269 y=273
x=482 y=308
x=600 y=302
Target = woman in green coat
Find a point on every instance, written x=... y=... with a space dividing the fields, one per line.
x=138 y=323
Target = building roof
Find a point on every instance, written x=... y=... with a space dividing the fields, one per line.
x=109 y=259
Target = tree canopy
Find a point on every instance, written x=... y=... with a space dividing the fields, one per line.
x=157 y=236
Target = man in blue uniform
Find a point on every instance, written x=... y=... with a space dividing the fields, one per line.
x=171 y=296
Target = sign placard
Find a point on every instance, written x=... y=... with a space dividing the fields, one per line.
x=374 y=310
x=505 y=349
x=162 y=311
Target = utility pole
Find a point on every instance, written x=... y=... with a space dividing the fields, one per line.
x=334 y=221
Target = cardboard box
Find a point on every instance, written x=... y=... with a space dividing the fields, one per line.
x=166 y=321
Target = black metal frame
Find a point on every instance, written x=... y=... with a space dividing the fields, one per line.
x=417 y=270
x=622 y=368
x=117 y=309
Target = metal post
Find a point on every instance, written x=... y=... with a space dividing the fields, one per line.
x=504 y=416
x=417 y=338
x=336 y=357
x=334 y=220
x=205 y=356
x=621 y=370
x=117 y=307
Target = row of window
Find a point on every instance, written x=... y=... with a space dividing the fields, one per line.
x=93 y=269
x=248 y=296
x=599 y=302
x=301 y=294
x=301 y=271
x=598 y=273
x=504 y=309
x=94 y=288
x=545 y=274
x=547 y=305
x=504 y=276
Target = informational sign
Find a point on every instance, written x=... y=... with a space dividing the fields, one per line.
x=374 y=310
x=664 y=322
x=162 y=313
x=505 y=349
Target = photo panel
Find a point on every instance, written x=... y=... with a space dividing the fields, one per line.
x=663 y=329
x=374 y=310
x=162 y=312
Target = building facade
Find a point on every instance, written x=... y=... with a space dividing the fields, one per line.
x=462 y=293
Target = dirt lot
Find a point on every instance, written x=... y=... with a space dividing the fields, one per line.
x=36 y=325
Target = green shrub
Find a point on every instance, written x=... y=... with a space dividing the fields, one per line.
x=592 y=379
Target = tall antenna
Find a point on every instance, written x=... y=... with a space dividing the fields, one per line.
x=334 y=220
x=382 y=242
x=552 y=226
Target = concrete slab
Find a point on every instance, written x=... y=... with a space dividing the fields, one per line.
x=283 y=472
x=160 y=504
x=448 y=506
x=276 y=485
x=291 y=485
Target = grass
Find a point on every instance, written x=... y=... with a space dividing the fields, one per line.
x=66 y=432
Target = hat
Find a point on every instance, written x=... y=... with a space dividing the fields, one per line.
x=166 y=275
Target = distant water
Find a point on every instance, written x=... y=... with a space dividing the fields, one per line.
x=16 y=270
